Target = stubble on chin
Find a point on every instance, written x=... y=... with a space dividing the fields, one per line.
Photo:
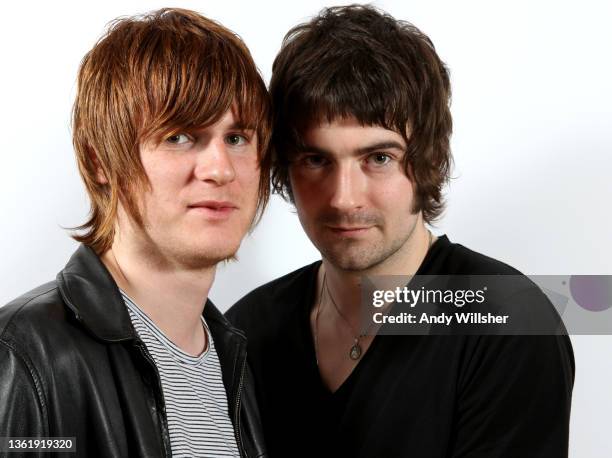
x=196 y=258
x=177 y=253
x=352 y=257
x=361 y=255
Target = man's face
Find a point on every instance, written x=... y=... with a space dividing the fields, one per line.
x=352 y=195
x=203 y=196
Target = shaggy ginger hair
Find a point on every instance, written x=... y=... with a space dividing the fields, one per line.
x=152 y=76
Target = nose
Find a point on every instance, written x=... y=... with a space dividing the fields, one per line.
x=347 y=185
x=214 y=164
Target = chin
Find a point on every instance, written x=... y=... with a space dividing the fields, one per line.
x=352 y=260
x=201 y=259
x=196 y=256
x=360 y=256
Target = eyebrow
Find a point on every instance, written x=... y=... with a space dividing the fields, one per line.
x=363 y=150
x=241 y=126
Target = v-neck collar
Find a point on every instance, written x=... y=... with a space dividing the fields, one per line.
x=307 y=338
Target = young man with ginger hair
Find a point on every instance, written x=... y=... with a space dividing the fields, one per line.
x=123 y=351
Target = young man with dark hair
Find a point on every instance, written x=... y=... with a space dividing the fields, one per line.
x=361 y=137
x=123 y=352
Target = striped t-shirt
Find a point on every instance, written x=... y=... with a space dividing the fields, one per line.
x=195 y=397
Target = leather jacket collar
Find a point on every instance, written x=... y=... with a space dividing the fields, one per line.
x=90 y=292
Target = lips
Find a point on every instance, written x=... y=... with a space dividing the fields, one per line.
x=349 y=230
x=213 y=209
x=213 y=204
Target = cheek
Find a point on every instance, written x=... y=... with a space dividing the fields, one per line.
x=393 y=196
x=301 y=191
x=249 y=173
x=247 y=178
x=308 y=202
x=166 y=177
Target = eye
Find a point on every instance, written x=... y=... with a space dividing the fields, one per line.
x=178 y=139
x=379 y=159
x=314 y=160
x=236 y=139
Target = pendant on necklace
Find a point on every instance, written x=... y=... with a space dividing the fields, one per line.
x=355 y=352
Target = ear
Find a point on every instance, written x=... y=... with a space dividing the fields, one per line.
x=410 y=172
x=93 y=157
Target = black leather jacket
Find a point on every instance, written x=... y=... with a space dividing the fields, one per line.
x=71 y=365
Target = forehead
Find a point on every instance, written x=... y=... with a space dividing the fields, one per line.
x=349 y=134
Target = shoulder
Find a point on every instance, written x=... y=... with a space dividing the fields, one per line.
x=527 y=356
x=509 y=292
x=27 y=326
x=269 y=302
x=31 y=309
x=460 y=260
x=37 y=325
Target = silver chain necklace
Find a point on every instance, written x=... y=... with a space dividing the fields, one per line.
x=355 y=352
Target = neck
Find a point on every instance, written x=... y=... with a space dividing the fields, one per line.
x=170 y=295
x=345 y=286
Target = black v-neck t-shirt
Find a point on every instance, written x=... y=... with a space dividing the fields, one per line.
x=409 y=396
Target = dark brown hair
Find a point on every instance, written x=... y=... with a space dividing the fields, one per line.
x=150 y=76
x=357 y=61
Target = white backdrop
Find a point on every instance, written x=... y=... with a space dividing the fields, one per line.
x=532 y=119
